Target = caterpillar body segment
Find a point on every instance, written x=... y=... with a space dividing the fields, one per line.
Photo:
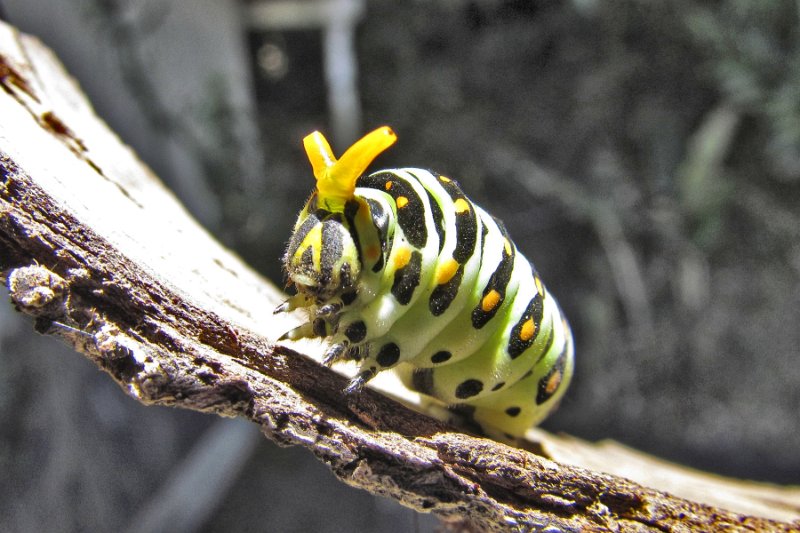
x=400 y=270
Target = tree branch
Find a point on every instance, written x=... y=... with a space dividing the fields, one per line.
x=94 y=247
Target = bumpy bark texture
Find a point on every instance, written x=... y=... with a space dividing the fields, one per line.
x=102 y=256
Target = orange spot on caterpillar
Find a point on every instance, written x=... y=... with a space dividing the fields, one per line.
x=446 y=271
x=461 y=206
x=402 y=201
x=553 y=382
x=372 y=252
x=444 y=179
x=388 y=185
x=490 y=301
x=527 y=330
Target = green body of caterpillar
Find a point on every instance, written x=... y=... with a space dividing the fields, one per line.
x=401 y=270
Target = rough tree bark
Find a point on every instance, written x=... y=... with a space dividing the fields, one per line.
x=94 y=247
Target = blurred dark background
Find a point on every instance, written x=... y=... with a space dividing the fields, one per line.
x=645 y=156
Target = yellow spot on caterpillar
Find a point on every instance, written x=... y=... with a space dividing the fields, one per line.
x=553 y=382
x=527 y=330
x=507 y=246
x=402 y=257
x=490 y=301
x=539 y=286
x=402 y=201
x=314 y=241
x=388 y=185
x=446 y=271
x=461 y=206
x=444 y=179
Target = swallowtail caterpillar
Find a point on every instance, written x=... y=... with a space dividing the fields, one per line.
x=400 y=270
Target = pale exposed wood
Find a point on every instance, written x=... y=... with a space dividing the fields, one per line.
x=103 y=256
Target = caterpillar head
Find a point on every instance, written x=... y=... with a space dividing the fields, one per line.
x=322 y=258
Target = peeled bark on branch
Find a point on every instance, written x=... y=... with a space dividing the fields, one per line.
x=102 y=255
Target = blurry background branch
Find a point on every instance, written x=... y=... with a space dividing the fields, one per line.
x=337 y=19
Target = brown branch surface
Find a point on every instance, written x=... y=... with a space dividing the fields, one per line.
x=94 y=247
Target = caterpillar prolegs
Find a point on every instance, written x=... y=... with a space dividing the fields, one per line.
x=400 y=270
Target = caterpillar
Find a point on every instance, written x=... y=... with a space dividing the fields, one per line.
x=400 y=270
